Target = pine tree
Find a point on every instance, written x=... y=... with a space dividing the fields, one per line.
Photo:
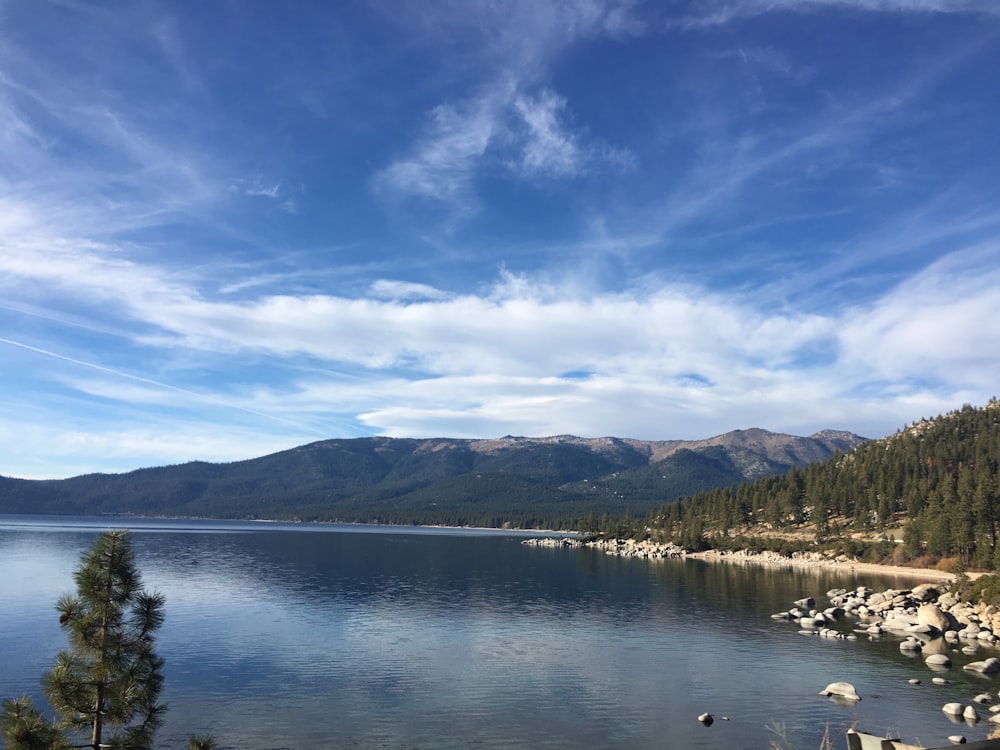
x=25 y=728
x=105 y=687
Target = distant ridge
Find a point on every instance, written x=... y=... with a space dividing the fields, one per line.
x=517 y=481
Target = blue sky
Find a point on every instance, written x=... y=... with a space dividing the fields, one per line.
x=230 y=228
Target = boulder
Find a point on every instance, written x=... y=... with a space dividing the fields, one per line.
x=925 y=592
x=841 y=690
x=952 y=709
x=989 y=666
x=938 y=660
x=931 y=614
x=947 y=600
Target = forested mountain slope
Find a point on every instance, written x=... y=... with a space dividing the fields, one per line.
x=536 y=482
x=936 y=480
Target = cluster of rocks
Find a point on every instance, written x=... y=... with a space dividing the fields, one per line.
x=929 y=620
x=551 y=541
x=928 y=617
x=969 y=713
x=776 y=559
x=620 y=547
x=656 y=551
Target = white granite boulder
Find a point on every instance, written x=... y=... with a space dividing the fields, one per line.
x=841 y=690
x=931 y=614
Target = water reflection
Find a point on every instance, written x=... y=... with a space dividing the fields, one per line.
x=289 y=638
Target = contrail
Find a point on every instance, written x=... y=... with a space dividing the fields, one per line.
x=155 y=383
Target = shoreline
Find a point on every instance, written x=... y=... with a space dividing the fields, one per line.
x=620 y=547
x=817 y=560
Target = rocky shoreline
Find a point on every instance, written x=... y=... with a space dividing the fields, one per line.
x=620 y=547
x=921 y=615
x=929 y=619
x=930 y=622
x=802 y=560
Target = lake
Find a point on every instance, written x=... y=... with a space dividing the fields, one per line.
x=325 y=636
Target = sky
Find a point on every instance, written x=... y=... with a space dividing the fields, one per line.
x=235 y=227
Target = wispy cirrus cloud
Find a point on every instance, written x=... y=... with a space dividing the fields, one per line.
x=442 y=165
x=525 y=357
x=502 y=130
x=549 y=148
x=720 y=225
x=511 y=124
x=712 y=13
x=521 y=330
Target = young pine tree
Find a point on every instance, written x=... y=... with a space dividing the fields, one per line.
x=105 y=687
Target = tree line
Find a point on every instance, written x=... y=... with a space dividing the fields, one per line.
x=936 y=478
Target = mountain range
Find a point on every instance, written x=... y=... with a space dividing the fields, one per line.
x=511 y=481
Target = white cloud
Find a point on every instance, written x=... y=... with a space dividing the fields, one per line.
x=720 y=12
x=441 y=165
x=503 y=125
x=526 y=358
x=933 y=325
x=119 y=273
x=549 y=148
x=405 y=290
x=85 y=448
x=511 y=121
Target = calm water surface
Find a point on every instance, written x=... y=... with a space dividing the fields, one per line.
x=295 y=636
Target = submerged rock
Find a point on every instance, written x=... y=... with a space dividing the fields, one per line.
x=938 y=660
x=988 y=666
x=841 y=690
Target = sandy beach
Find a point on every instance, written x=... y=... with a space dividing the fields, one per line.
x=814 y=560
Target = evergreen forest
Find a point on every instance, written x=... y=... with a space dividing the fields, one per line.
x=927 y=494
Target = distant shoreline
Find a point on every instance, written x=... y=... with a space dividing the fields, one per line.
x=620 y=547
x=801 y=560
